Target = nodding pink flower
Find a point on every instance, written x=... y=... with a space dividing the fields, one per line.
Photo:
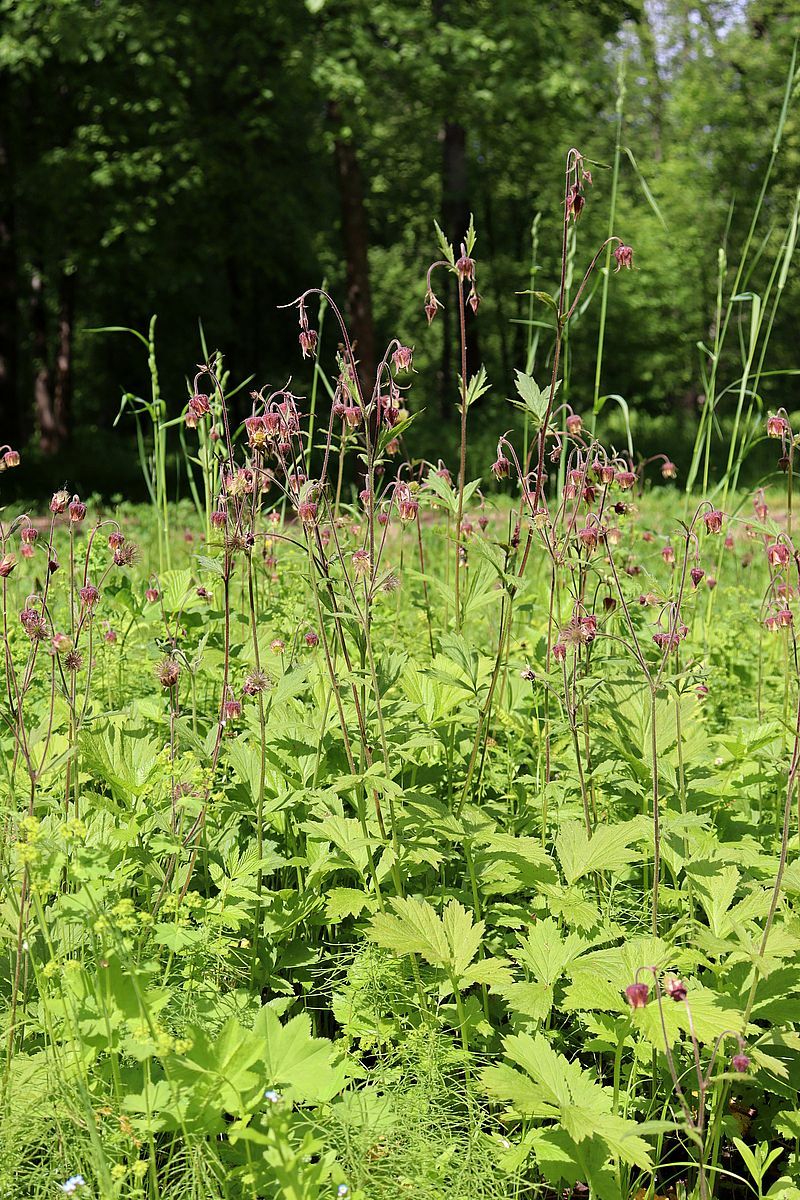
x=11 y=458
x=277 y=645
x=574 y=424
x=352 y=415
x=728 y=543
x=402 y=358
x=308 y=342
x=168 y=673
x=432 y=305
x=199 y=407
x=59 y=502
x=465 y=266
x=777 y=554
x=589 y=494
x=61 y=643
x=312 y=638
x=110 y=635
x=647 y=536
x=501 y=467
x=272 y=423
x=701 y=691
x=115 y=540
x=7 y=564
x=442 y=473
x=589 y=627
x=89 y=595
x=711 y=582
x=28 y=535
x=696 y=574
x=483 y=521
x=588 y=536
x=647 y=598
x=777 y=427
x=668 y=555
x=606 y=473
x=231 y=710
x=771 y=622
x=669 y=470
x=407 y=505
x=637 y=994
x=52 y=566
x=77 y=510
x=667 y=641
x=624 y=257
x=467 y=528
x=151 y=595
x=218 y=518
x=307 y=512
x=559 y=652
x=675 y=988
x=257 y=436
x=740 y=1063
x=625 y=479
x=713 y=520
x=26 y=551
x=785 y=617
x=204 y=594
x=383 y=518
x=570 y=491
x=760 y=505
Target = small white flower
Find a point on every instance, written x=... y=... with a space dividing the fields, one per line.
x=72 y=1184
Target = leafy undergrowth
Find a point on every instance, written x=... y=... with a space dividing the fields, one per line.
x=350 y=853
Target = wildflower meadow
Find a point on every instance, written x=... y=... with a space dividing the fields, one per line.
x=379 y=825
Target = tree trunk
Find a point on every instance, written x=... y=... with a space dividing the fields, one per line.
x=10 y=423
x=49 y=439
x=62 y=407
x=355 y=235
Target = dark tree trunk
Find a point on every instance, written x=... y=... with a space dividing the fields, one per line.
x=43 y=399
x=10 y=424
x=355 y=235
x=62 y=406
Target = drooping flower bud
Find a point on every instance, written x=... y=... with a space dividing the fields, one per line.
x=501 y=467
x=696 y=574
x=151 y=595
x=7 y=564
x=624 y=257
x=432 y=305
x=637 y=994
x=77 y=510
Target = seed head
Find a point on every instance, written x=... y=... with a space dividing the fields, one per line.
x=256 y=682
x=126 y=555
x=34 y=624
x=73 y=661
x=168 y=673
